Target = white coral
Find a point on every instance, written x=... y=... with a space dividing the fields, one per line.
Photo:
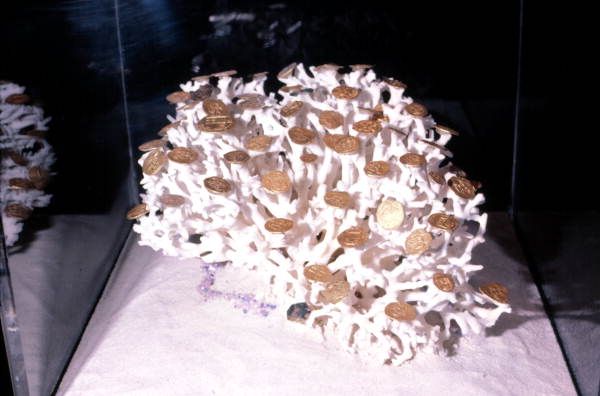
x=232 y=226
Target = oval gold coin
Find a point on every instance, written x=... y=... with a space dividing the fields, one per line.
x=217 y=185
x=236 y=157
x=258 y=143
x=345 y=92
x=137 y=211
x=215 y=123
x=400 y=311
x=301 y=135
x=172 y=200
x=317 y=273
x=17 y=158
x=19 y=183
x=287 y=71
x=346 y=144
x=496 y=292
x=226 y=73
x=462 y=187
x=418 y=241
x=443 y=282
x=163 y=130
x=17 y=211
x=291 y=88
x=436 y=177
x=441 y=129
x=416 y=110
x=278 y=225
x=152 y=145
x=443 y=222
x=178 y=97
x=17 y=99
x=335 y=292
x=413 y=159
x=331 y=119
x=291 y=108
x=367 y=127
x=308 y=158
x=182 y=155
x=254 y=102
x=338 y=199
x=154 y=162
x=275 y=181
x=39 y=177
x=329 y=140
x=353 y=237
x=390 y=214
x=377 y=168
x=214 y=107
x=395 y=83
x=361 y=67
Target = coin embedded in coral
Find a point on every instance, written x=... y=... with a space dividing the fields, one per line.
x=17 y=158
x=437 y=178
x=276 y=181
x=395 y=83
x=390 y=214
x=444 y=222
x=217 y=185
x=345 y=92
x=345 y=144
x=216 y=123
x=278 y=226
x=367 y=127
x=418 y=241
x=331 y=119
x=291 y=88
x=413 y=159
x=462 y=187
x=172 y=200
x=258 y=143
x=441 y=129
x=178 y=97
x=416 y=110
x=335 y=292
x=214 y=107
x=137 y=211
x=152 y=145
x=182 y=155
x=401 y=311
x=496 y=292
x=291 y=109
x=154 y=162
x=251 y=102
x=300 y=135
x=17 y=211
x=236 y=157
x=19 y=183
x=443 y=282
x=17 y=99
x=308 y=158
x=163 y=130
x=338 y=199
x=353 y=237
x=39 y=177
x=226 y=73
x=317 y=273
x=377 y=168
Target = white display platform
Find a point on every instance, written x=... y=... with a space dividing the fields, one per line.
x=152 y=334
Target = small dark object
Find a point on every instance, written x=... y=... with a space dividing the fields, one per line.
x=298 y=312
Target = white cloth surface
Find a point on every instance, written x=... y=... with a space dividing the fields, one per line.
x=152 y=334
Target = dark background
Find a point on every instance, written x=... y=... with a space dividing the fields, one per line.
x=500 y=72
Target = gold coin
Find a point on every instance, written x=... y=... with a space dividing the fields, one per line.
x=317 y=273
x=278 y=226
x=182 y=155
x=331 y=119
x=257 y=76
x=328 y=66
x=368 y=127
x=361 y=67
x=275 y=181
x=236 y=157
x=346 y=144
x=226 y=73
x=214 y=107
x=395 y=83
x=178 y=97
x=202 y=93
x=258 y=143
x=301 y=135
x=329 y=140
x=137 y=211
x=443 y=221
x=152 y=145
x=163 y=130
x=287 y=71
x=400 y=311
x=462 y=187
x=291 y=88
x=379 y=116
x=253 y=102
x=338 y=199
x=154 y=162
x=308 y=158
x=416 y=110
x=441 y=129
x=39 y=177
x=496 y=292
x=390 y=214
x=413 y=159
x=172 y=200
x=19 y=183
x=17 y=158
x=437 y=178
x=17 y=99
x=377 y=168
x=215 y=123
x=419 y=241
x=335 y=292
x=443 y=282
x=17 y=211
x=291 y=108
x=345 y=92
x=353 y=237
x=217 y=185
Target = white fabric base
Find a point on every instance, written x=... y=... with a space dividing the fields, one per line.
x=151 y=334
